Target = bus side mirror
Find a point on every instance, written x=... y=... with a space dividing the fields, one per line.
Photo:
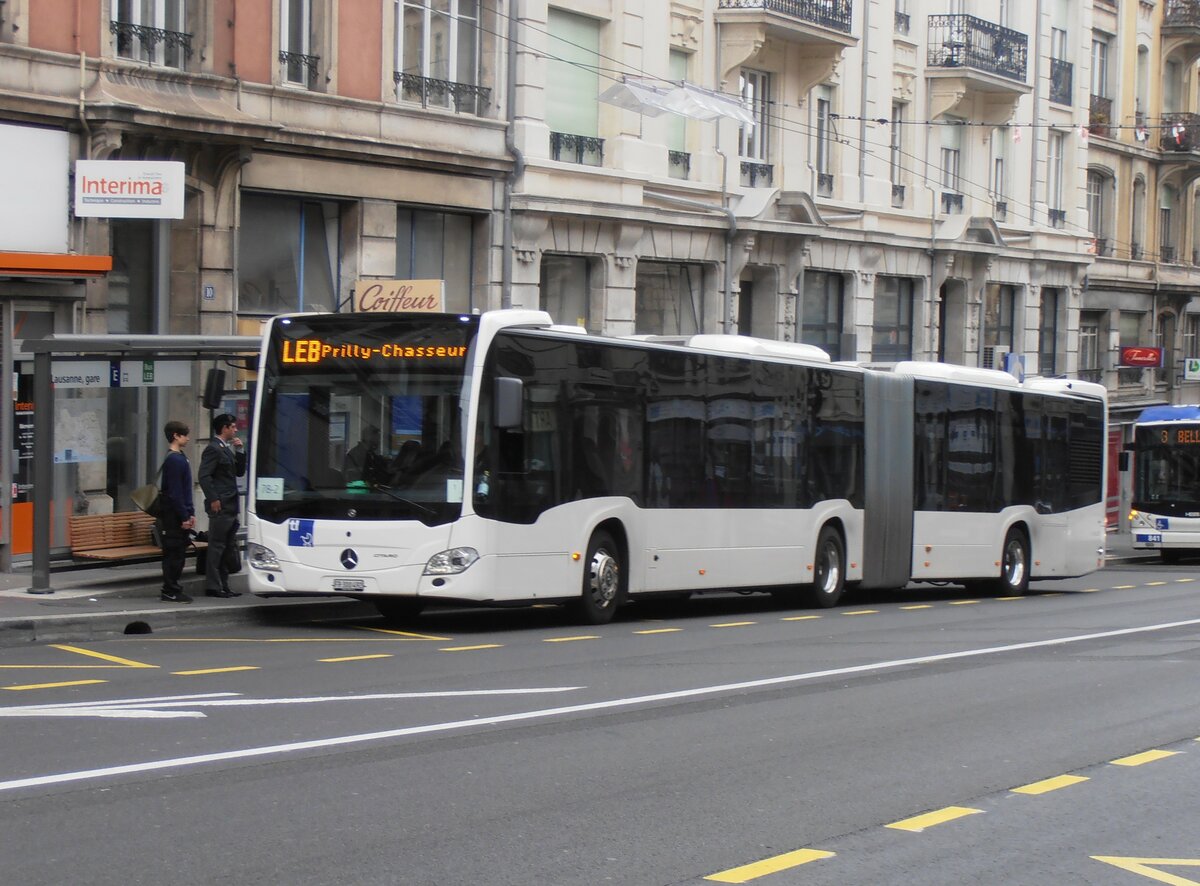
x=1123 y=460
x=214 y=388
x=509 y=400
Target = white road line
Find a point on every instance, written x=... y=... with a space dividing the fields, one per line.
x=547 y=713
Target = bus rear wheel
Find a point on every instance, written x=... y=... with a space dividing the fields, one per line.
x=1014 y=566
x=603 y=581
x=399 y=608
x=829 y=572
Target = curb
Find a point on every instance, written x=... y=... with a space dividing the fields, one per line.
x=79 y=627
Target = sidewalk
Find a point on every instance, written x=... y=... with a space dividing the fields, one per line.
x=105 y=602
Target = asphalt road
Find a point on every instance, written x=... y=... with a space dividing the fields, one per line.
x=915 y=738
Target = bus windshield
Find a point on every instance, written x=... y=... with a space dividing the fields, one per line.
x=1168 y=467
x=362 y=418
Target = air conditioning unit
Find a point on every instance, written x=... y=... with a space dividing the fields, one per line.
x=993 y=356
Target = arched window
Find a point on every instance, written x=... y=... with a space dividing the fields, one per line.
x=1099 y=189
x=1138 y=222
x=1168 y=200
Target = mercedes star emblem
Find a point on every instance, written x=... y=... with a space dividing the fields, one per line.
x=349 y=558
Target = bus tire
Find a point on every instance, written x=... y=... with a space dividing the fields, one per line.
x=399 y=608
x=603 y=581
x=1170 y=555
x=1014 y=566
x=829 y=569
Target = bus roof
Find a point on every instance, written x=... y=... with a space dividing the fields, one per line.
x=1164 y=414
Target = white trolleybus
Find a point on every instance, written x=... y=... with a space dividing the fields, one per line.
x=498 y=459
x=1165 y=513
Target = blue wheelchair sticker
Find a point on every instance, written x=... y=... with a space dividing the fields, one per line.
x=1161 y=523
x=300 y=533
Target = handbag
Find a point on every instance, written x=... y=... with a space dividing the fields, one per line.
x=148 y=498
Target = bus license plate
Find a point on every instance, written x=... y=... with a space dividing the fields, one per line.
x=1152 y=538
x=349 y=584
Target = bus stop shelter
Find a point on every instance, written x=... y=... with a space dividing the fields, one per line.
x=58 y=349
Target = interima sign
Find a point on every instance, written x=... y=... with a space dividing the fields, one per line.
x=128 y=189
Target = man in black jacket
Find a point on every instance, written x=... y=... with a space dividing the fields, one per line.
x=223 y=461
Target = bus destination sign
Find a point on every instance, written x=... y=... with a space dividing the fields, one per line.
x=1183 y=436
x=308 y=351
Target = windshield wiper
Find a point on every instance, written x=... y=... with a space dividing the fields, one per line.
x=391 y=493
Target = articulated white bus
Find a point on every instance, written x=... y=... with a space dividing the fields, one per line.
x=1166 y=481
x=498 y=459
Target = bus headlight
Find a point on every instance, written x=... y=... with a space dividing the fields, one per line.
x=451 y=562
x=262 y=558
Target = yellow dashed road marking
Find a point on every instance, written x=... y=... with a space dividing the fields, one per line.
x=962 y=602
x=1144 y=757
x=733 y=624
x=355 y=657
x=918 y=823
x=1124 y=587
x=919 y=606
x=54 y=685
x=773 y=865
x=1050 y=784
x=1142 y=866
x=1184 y=580
x=659 y=631
x=407 y=635
x=1154 y=584
x=1010 y=598
x=1090 y=591
x=213 y=671
x=570 y=639
x=471 y=648
x=124 y=662
x=862 y=612
x=799 y=617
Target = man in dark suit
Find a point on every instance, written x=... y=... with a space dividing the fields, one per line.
x=223 y=461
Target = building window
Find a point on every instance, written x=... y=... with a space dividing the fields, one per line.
x=824 y=138
x=1164 y=339
x=999 y=181
x=669 y=298
x=131 y=305
x=1191 y=336
x=679 y=161
x=437 y=54
x=891 y=334
x=287 y=254
x=1100 y=66
x=299 y=64
x=1166 y=224
x=573 y=89
x=896 y=145
x=951 y=156
x=821 y=312
x=1054 y=173
x=1130 y=335
x=1089 y=346
x=566 y=290
x=153 y=31
x=437 y=246
x=1048 y=332
x=999 y=308
x=754 y=141
x=1137 y=246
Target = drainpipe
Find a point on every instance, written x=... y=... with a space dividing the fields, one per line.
x=862 y=113
x=1037 y=110
x=730 y=233
x=518 y=169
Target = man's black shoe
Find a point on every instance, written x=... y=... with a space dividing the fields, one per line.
x=221 y=594
x=179 y=597
x=230 y=592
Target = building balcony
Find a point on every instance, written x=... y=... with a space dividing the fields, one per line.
x=1062 y=77
x=1166 y=254
x=964 y=41
x=903 y=23
x=757 y=175
x=431 y=93
x=1181 y=27
x=1058 y=218
x=300 y=68
x=1100 y=112
x=750 y=28
x=1180 y=132
x=898 y=194
x=1000 y=210
x=154 y=45
x=825 y=184
x=952 y=204
x=586 y=150
x=679 y=164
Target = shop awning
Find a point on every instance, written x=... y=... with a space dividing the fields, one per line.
x=52 y=264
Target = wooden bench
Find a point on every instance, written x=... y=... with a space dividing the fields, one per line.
x=121 y=536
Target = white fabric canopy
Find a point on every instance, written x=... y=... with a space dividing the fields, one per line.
x=685 y=99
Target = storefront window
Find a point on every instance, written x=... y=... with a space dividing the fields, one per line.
x=891 y=338
x=566 y=289
x=287 y=255
x=131 y=281
x=670 y=299
x=821 y=318
x=436 y=246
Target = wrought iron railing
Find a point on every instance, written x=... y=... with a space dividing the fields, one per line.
x=142 y=42
x=964 y=41
x=430 y=92
x=1135 y=251
x=1104 y=247
x=583 y=149
x=825 y=184
x=754 y=173
x=1062 y=77
x=1000 y=210
x=1166 y=254
x=679 y=164
x=1180 y=132
x=834 y=14
x=1182 y=13
x=300 y=68
x=1099 y=115
x=1058 y=217
x=951 y=203
x=1092 y=375
x=898 y=192
x=903 y=22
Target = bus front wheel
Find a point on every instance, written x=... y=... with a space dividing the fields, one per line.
x=603 y=581
x=1014 y=566
x=829 y=573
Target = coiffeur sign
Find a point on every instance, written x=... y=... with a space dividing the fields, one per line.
x=399 y=295
x=1141 y=356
